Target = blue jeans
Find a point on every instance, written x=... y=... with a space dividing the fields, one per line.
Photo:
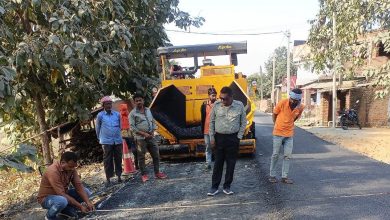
x=58 y=204
x=278 y=142
x=208 y=150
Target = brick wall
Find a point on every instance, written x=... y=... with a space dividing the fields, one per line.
x=324 y=109
x=372 y=112
x=348 y=100
x=306 y=97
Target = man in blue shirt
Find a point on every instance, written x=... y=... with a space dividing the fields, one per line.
x=108 y=131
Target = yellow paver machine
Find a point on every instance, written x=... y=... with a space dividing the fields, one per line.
x=176 y=106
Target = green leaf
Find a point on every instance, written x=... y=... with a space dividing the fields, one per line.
x=21 y=59
x=2 y=86
x=3 y=61
x=36 y=3
x=8 y=72
x=68 y=51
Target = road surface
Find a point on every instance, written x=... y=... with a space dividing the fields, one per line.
x=330 y=183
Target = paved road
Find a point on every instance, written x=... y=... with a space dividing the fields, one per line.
x=330 y=183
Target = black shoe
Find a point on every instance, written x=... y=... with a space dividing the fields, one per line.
x=227 y=191
x=213 y=192
x=107 y=184
x=119 y=179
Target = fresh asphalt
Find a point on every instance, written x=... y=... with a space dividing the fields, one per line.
x=330 y=183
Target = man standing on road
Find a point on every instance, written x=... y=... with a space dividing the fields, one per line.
x=205 y=110
x=227 y=126
x=53 y=192
x=143 y=127
x=108 y=131
x=285 y=114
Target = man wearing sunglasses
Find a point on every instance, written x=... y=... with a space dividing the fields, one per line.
x=227 y=126
x=286 y=112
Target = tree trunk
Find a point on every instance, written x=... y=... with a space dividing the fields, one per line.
x=43 y=128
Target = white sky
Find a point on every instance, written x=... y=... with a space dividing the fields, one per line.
x=248 y=16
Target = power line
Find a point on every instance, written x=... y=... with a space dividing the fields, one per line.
x=226 y=34
x=262 y=28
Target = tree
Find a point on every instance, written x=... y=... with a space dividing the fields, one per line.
x=354 y=18
x=280 y=71
x=58 y=57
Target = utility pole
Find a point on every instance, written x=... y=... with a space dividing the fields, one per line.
x=261 y=83
x=273 y=83
x=335 y=60
x=288 y=63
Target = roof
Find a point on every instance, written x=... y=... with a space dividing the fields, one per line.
x=215 y=49
x=328 y=86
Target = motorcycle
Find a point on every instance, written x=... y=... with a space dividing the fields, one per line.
x=349 y=117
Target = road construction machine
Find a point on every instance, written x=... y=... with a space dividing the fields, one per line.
x=176 y=105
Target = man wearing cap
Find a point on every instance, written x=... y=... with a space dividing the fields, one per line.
x=205 y=110
x=108 y=131
x=286 y=112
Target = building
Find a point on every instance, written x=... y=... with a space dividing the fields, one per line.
x=317 y=87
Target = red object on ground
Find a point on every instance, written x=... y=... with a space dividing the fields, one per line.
x=127 y=161
x=161 y=175
x=144 y=178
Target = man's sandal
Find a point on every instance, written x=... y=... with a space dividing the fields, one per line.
x=287 y=181
x=272 y=179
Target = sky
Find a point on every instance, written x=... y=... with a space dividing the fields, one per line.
x=248 y=16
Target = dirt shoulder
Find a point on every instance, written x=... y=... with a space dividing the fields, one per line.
x=371 y=142
x=19 y=191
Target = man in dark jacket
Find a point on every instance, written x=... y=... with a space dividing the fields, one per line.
x=205 y=110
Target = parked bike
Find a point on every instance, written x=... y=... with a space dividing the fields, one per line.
x=349 y=117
